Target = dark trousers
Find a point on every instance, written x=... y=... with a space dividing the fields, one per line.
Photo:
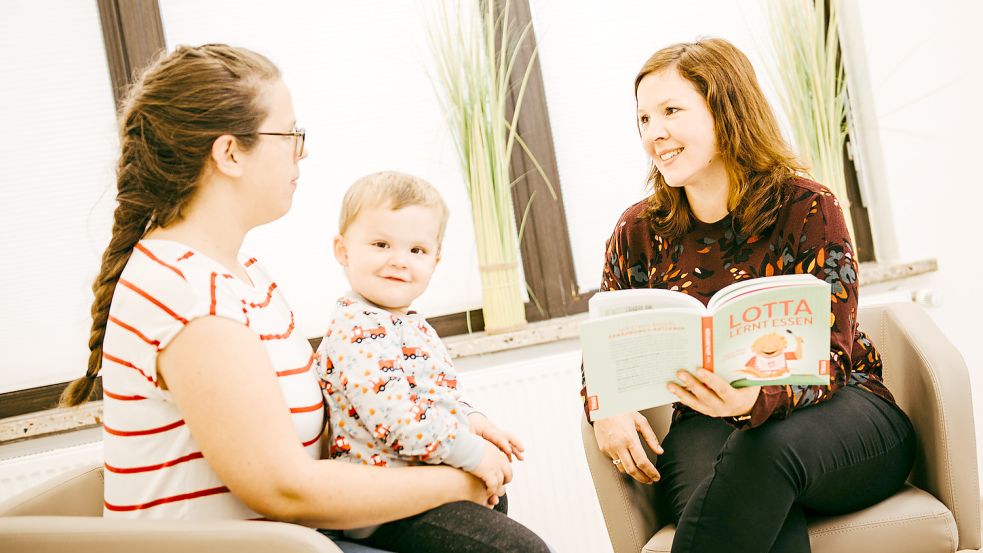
x=459 y=527
x=745 y=491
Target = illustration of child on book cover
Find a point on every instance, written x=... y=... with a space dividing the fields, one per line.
x=771 y=356
x=774 y=338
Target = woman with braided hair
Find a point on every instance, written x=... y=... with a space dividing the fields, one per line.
x=211 y=406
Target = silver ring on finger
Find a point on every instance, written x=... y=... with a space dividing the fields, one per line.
x=616 y=462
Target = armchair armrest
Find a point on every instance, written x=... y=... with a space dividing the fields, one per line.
x=631 y=509
x=929 y=379
x=49 y=534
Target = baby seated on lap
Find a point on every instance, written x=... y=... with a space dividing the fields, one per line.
x=389 y=383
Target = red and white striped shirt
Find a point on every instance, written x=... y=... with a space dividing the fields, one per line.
x=154 y=468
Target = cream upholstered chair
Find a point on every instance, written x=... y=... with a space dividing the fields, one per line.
x=64 y=514
x=938 y=510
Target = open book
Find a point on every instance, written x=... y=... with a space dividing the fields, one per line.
x=762 y=331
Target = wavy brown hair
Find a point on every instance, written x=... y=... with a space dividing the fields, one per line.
x=171 y=117
x=757 y=158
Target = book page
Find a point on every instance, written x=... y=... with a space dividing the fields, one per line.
x=629 y=358
x=741 y=287
x=614 y=302
x=774 y=334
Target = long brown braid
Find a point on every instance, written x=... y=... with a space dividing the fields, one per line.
x=172 y=115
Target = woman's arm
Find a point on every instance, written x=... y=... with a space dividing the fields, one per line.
x=224 y=386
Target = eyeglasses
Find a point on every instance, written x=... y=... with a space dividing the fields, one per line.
x=299 y=136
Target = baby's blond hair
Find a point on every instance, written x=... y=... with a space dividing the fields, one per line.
x=390 y=190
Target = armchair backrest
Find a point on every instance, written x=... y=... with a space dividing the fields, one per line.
x=77 y=492
x=632 y=511
x=929 y=380
x=64 y=513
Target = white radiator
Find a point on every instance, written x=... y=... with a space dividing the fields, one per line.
x=535 y=396
x=551 y=492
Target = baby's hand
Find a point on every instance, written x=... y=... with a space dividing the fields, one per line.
x=494 y=469
x=507 y=442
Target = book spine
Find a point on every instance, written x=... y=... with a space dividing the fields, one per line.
x=706 y=338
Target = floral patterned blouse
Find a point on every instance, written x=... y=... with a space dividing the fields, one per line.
x=809 y=236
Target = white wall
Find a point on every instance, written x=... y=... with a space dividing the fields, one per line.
x=922 y=77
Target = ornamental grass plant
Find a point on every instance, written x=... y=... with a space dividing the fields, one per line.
x=475 y=55
x=812 y=85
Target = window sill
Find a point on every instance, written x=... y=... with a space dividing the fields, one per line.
x=54 y=421
x=466 y=345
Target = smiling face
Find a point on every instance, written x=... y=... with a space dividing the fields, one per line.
x=390 y=255
x=677 y=130
x=769 y=345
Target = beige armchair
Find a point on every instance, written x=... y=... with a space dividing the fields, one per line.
x=938 y=510
x=64 y=514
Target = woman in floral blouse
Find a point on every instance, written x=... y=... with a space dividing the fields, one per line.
x=742 y=467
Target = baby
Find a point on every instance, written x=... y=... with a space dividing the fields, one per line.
x=388 y=380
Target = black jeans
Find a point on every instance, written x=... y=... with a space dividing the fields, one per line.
x=459 y=527
x=745 y=491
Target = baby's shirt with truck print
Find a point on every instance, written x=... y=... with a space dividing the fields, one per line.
x=391 y=391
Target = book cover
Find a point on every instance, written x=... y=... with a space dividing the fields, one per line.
x=765 y=331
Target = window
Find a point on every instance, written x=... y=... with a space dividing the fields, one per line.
x=589 y=89
x=59 y=154
x=358 y=77
x=359 y=84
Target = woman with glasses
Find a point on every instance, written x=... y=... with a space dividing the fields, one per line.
x=211 y=406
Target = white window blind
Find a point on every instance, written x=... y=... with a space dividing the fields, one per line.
x=57 y=186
